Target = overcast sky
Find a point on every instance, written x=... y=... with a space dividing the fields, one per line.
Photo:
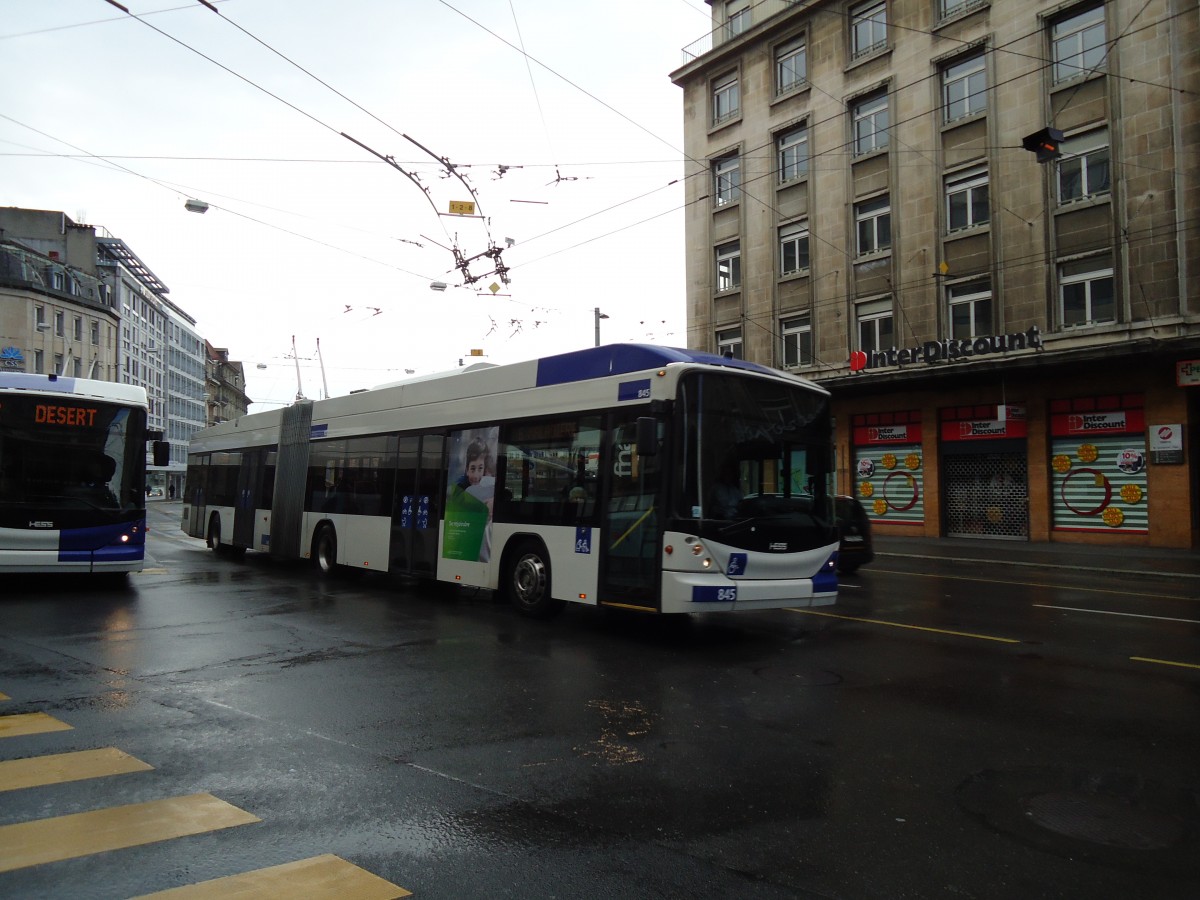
x=572 y=154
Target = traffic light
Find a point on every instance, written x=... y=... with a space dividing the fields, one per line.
x=1047 y=144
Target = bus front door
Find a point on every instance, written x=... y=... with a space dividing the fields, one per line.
x=247 y=497
x=630 y=556
x=416 y=509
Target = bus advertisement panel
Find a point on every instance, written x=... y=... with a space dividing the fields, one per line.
x=647 y=478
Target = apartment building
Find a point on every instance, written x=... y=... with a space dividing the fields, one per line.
x=974 y=221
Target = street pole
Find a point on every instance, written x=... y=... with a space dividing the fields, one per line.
x=599 y=316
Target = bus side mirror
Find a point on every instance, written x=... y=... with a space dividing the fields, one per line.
x=647 y=436
x=162 y=453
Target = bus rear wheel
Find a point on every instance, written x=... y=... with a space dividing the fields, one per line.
x=325 y=550
x=527 y=582
x=214 y=534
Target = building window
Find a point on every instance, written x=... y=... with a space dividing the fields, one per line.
x=970 y=305
x=737 y=17
x=1085 y=291
x=57 y=279
x=39 y=317
x=793 y=248
x=1083 y=170
x=95 y=333
x=797 y=341
x=77 y=328
x=77 y=367
x=59 y=323
x=726 y=98
x=1078 y=44
x=967 y=199
x=873 y=222
x=870 y=124
x=948 y=8
x=727 y=179
x=868 y=28
x=58 y=364
x=964 y=88
x=729 y=343
x=792 y=150
x=791 y=65
x=875 y=325
x=729 y=267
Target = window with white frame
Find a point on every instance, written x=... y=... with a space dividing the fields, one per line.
x=95 y=332
x=726 y=98
x=39 y=362
x=58 y=364
x=60 y=323
x=1078 y=43
x=870 y=117
x=964 y=88
x=77 y=328
x=868 y=28
x=58 y=280
x=727 y=179
x=1085 y=291
x=873 y=225
x=39 y=316
x=793 y=248
x=967 y=199
x=796 y=333
x=729 y=343
x=792 y=152
x=970 y=308
x=875 y=330
x=729 y=266
x=77 y=367
x=1083 y=169
x=737 y=17
x=791 y=65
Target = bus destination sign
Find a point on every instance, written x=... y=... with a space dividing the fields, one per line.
x=53 y=414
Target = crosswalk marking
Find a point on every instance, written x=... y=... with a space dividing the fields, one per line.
x=81 y=834
x=22 y=724
x=325 y=877
x=59 y=768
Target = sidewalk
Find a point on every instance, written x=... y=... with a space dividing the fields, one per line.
x=1085 y=557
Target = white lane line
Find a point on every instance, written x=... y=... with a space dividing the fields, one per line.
x=1106 y=612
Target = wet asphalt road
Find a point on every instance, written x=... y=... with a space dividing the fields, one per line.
x=945 y=733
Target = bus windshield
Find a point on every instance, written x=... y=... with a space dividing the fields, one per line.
x=70 y=453
x=757 y=458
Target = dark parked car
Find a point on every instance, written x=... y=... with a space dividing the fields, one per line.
x=854 y=530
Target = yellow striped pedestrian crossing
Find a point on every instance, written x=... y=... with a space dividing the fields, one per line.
x=82 y=834
x=59 y=768
x=27 y=844
x=326 y=877
x=23 y=724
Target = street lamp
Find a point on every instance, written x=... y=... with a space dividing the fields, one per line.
x=599 y=316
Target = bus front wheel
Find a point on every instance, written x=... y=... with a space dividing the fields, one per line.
x=527 y=582
x=325 y=550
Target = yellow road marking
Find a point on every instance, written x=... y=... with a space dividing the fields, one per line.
x=318 y=878
x=1165 y=662
x=981 y=637
x=82 y=834
x=1036 y=584
x=63 y=767
x=23 y=724
x=157 y=570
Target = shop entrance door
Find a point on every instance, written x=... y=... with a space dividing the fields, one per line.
x=986 y=494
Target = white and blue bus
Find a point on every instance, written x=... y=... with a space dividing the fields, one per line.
x=72 y=474
x=632 y=476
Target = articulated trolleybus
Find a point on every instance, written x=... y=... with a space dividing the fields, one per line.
x=629 y=476
x=72 y=474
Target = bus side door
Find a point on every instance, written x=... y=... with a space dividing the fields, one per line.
x=631 y=556
x=416 y=510
x=247 y=497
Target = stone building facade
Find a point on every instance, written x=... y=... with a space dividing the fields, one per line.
x=1011 y=343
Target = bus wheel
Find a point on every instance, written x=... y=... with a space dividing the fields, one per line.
x=527 y=582
x=214 y=534
x=325 y=550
